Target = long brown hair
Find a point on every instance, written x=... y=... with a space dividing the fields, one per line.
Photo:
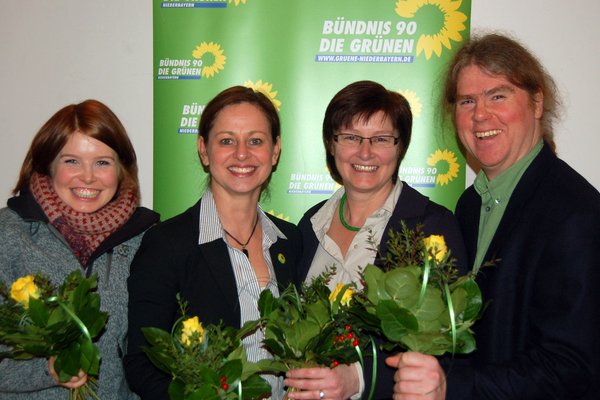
x=501 y=55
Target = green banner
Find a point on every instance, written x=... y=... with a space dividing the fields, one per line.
x=300 y=53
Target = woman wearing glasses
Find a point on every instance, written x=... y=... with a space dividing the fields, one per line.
x=366 y=132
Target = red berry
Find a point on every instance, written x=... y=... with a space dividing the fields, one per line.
x=355 y=342
x=335 y=364
x=350 y=335
x=347 y=327
x=225 y=386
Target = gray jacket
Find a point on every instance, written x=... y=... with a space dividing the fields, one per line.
x=28 y=244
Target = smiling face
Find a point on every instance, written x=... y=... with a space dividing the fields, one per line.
x=365 y=169
x=496 y=121
x=240 y=152
x=85 y=174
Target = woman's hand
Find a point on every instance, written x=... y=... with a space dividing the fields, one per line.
x=418 y=377
x=337 y=383
x=74 y=383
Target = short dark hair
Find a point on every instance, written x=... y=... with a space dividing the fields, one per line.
x=502 y=55
x=90 y=118
x=362 y=100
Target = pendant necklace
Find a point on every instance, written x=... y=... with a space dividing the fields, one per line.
x=342 y=220
x=247 y=241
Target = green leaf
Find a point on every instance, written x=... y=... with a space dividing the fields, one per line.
x=266 y=303
x=274 y=346
x=248 y=328
x=474 y=299
x=318 y=312
x=395 y=321
x=97 y=324
x=374 y=277
x=161 y=358
x=67 y=363
x=204 y=392
x=156 y=336
x=237 y=354
x=208 y=374
x=90 y=357
x=176 y=390
x=364 y=316
x=432 y=307
x=38 y=311
x=427 y=343
x=232 y=370
x=431 y=326
x=263 y=366
x=79 y=294
x=298 y=335
x=401 y=284
x=255 y=387
x=466 y=342
x=57 y=317
x=459 y=302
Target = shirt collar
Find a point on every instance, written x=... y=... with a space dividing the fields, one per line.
x=321 y=221
x=210 y=228
x=501 y=188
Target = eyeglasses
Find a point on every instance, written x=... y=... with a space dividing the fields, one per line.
x=377 y=142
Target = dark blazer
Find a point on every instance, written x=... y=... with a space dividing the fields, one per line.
x=413 y=208
x=170 y=261
x=539 y=336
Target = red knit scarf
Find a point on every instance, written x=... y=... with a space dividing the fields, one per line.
x=84 y=232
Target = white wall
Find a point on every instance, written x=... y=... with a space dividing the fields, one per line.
x=57 y=52
x=54 y=53
x=564 y=35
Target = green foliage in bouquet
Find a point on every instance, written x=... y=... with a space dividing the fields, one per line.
x=421 y=302
x=39 y=320
x=310 y=328
x=206 y=362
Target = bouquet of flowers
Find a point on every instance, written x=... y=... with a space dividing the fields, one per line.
x=39 y=320
x=310 y=328
x=419 y=299
x=206 y=362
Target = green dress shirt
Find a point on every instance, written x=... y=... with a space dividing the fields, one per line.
x=495 y=195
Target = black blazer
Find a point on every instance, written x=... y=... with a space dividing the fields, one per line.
x=170 y=261
x=413 y=208
x=539 y=337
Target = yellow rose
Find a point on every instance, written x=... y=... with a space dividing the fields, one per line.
x=24 y=288
x=436 y=245
x=346 y=297
x=192 y=326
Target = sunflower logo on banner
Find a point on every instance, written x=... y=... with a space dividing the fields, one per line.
x=300 y=54
x=413 y=100
x=210 y=50
x=452 y=22
x=266 y=89
x=444 y=157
